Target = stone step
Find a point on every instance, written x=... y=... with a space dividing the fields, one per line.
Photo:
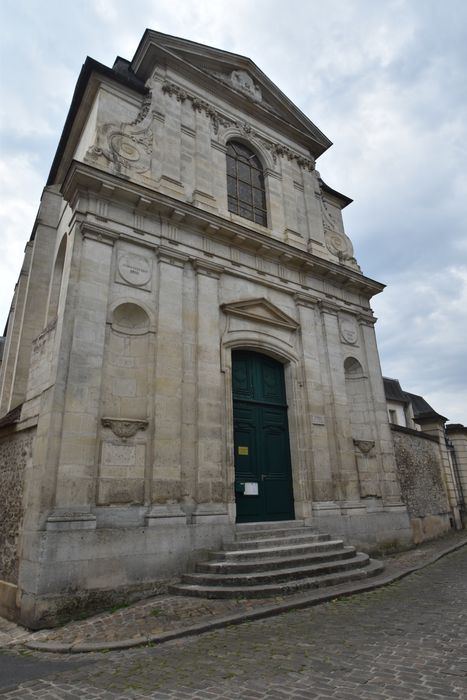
x=279 y=588
x=228 y=567
x=304 y=548
x=309 y=536
x=244 y=535
x=281 y=528
x=268 y=525
x=258 y=578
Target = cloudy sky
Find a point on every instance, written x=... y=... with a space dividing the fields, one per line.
x=386 y=80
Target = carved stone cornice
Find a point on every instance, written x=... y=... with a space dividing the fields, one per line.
x=172 y=257
x=210 y=269
x=306 y=300
x=366 y=319
x=124 y=428
x=98 y=233
x=329 y=307
x=198 y=104
x=83 y=177
x=219 y=119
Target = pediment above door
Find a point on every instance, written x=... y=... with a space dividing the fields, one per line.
x=260 y=311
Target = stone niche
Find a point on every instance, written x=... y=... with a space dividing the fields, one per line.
x=123 y=448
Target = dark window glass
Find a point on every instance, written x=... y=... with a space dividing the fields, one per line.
x=231 y=166
x=244 y=171
x=244 y=192
x=231 y=186
x=245 y=183
x=257 y=178
x=245 y=211
x=258 y=198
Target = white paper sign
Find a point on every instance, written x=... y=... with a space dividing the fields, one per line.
x=251 y=488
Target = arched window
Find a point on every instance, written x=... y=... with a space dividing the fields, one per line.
x=245 y=183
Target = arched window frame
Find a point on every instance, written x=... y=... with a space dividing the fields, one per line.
x=246 y=191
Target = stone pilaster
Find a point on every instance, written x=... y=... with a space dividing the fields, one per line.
x=211 y=485
x=337 y=408
x=290 y=202
x=171 y=177
x=275 y=202
x=386 y=459
x=77 y=460
x=315 y=436
x=189 y=426
x=166 y=477
x=314 y=213
x=203 y=193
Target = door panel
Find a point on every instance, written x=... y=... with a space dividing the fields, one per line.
x=242 y=378
x=245 y=442
x=261 y=438
x=271 y=382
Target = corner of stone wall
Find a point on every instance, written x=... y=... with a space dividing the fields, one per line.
x=429 y=527
x=420 y=474
x=15 y=451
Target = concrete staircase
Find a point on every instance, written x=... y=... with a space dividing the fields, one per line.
x=275 y=558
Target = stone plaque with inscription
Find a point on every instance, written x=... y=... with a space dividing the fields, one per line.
x=134 y=270
x=349 y=333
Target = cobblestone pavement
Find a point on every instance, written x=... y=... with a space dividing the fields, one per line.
x=406 y=641
x=166 y=613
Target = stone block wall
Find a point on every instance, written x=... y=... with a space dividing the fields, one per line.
x=423 y=490
x=15 y=451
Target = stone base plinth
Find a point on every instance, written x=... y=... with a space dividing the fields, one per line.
x=371 y=527
x=8 y=608
x=67 y=571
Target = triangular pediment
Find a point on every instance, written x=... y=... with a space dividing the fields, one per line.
x=260 y=310
x=239 y=78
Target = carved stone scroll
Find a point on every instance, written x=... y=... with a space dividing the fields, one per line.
x=365 y=446
x=124 y=428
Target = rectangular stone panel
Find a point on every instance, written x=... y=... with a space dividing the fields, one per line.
x=121 y=473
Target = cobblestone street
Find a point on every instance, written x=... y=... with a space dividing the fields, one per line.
x=407 y=640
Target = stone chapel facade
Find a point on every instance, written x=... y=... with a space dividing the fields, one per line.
x=191 y=342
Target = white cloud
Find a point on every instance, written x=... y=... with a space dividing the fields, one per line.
x=21 y=188
x=422 y=336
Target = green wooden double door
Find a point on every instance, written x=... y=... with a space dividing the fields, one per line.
x=263 y=475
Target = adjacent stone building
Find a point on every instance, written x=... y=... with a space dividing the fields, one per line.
x=430 y=464
x=191 y=342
